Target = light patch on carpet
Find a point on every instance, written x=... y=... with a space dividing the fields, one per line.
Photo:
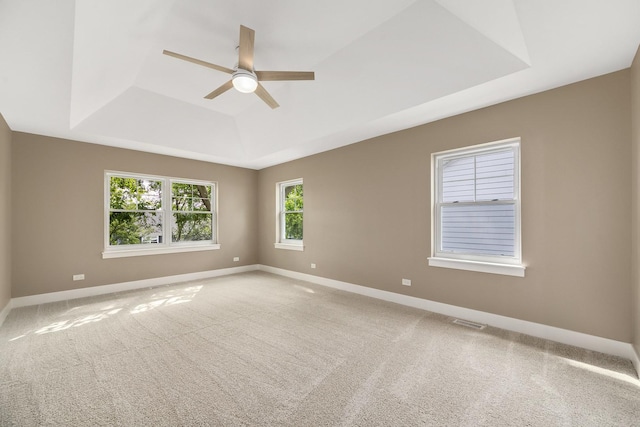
x=601 y=371
x=170 y=297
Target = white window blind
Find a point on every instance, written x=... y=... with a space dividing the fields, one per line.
x=477 y=203
x=479 y=229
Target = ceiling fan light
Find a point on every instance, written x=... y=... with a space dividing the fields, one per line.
x=244 y=82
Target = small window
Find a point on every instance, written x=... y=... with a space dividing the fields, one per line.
x=290 y=215
x=148 y=215
x=476 y=208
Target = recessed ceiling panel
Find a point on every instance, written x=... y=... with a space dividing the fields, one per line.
x=36 y=48
x=109 y=49
x=290 y=35
x=140 y=115
x=421 y=54
x=502 y=25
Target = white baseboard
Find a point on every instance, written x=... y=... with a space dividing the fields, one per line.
x=125 y=286
x=636 y=360
x=5 y=312
x=577 y=339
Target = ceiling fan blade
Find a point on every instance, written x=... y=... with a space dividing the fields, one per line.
x=264 y=95
x=285 y=75
x=245 y=48
x=222 y=89
x=199 y=62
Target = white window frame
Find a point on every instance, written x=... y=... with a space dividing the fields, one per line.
x=505 y=265
x=167 y=246
x=281 y=241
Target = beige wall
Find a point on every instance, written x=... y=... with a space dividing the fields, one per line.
x=367 y=218
x=635 y=138
x=367 y=210
x=5 y=213
x=58 y=202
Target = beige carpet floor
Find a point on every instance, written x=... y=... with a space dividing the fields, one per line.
x=259 y=349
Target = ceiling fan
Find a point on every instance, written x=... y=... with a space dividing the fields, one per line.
x=243 y=77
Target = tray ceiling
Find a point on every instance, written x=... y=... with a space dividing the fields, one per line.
x=94 y=71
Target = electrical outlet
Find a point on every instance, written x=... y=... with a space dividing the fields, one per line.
x=313 y=265
x=236 y=258
x=406 y=282
x=78 y=277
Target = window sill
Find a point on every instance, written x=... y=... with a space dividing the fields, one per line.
x=483 y=267
x=123 y=253
x=289 y=246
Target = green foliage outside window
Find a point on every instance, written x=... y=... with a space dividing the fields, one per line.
x=133 y=217
x=192 y=218
x=293 y=212
x=136 y=211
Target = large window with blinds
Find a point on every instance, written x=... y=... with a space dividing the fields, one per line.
x=476 y=204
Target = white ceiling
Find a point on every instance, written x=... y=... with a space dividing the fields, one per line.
x=94 y=71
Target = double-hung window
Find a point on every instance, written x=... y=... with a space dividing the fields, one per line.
x=290 y=212
x=476 y=208
x=146 y=215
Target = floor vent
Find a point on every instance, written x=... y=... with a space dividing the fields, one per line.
x=469 y=324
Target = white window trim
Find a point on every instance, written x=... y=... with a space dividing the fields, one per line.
x=511 y=266
x=281 y=242
x=113 y=253
x=167 y=247
x=479 y=266
x=289 y=246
